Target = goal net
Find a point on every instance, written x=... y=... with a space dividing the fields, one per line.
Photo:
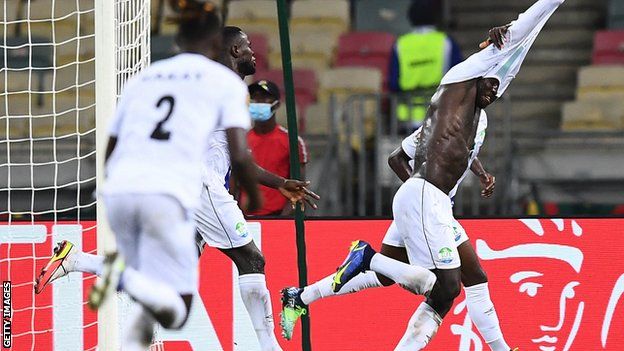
x=48 y=113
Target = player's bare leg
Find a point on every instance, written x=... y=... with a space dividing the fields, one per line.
x=252 y=284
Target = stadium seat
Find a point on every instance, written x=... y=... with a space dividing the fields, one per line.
x=608 y=48
x=382 y=16
x=365 y=49
x=12 y=10
x=260 y=46
x=310 y=51
x=600 y=82
x=325 y=17
x=317 y=117
x=605 y=114
x=344 y=81
x=304 y=80
x=256 y=16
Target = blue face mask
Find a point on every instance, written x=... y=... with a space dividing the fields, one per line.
x=261 y=111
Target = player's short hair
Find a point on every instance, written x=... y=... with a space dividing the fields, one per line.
x=230 y=35
x=196 y=19
x=424 y=12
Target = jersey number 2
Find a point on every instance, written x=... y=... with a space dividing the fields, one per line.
x=159 y=133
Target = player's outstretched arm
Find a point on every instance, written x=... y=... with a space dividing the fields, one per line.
x=294 y=190
x=243 y=166
x=488 y=181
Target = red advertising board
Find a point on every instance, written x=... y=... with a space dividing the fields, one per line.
x=556 y=285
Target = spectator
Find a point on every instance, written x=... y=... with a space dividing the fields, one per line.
x=268 y=142
x=420 y=58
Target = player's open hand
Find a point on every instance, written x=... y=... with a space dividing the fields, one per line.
x=488 y=183
x=296 y=191
x=496 y=36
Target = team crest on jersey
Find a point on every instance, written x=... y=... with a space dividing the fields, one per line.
x=445 y=255
x=241 y=229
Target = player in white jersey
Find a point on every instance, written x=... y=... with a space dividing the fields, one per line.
x=218 y=219
x=220 y=222
x=422 y=208
x=402 y=163
x=158 y=142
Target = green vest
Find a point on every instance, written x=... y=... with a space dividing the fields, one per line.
x=421 y=66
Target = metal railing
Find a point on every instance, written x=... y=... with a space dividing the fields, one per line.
x=356 y=180
x=364 y=129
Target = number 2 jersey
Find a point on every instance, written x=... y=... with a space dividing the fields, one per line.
x=164 y=122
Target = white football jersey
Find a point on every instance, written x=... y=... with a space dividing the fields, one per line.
x=409 y=146
x=164 y=123
x=218 y=164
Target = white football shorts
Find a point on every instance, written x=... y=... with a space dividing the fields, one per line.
x=220 y=221
x=156 y=236
x=424 y=219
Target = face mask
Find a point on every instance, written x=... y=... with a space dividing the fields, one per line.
x=261 y=111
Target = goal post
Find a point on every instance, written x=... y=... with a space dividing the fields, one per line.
x=105 y=101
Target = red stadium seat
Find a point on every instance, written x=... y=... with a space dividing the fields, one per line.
x=306 y=84
x=260 y=46
x=608 y=48
x=366 y=49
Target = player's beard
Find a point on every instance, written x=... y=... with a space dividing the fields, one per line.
x=246 y=67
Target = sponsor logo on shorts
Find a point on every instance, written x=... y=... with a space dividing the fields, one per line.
x=241 y=229
x=458 y=234
x=445 y=255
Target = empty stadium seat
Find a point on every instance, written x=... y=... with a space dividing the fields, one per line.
x=605 y=114
x=608 y=48
x=309 y=51
x=343 y=81
x=256 y=16
x=600 y=82
x=317 y=118
x=326 y=17
x=366 y=49
x=382 y=16
x=260 y=46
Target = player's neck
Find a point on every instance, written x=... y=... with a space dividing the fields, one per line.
x=265 y=127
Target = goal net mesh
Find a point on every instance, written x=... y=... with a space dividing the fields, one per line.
x=47 y=155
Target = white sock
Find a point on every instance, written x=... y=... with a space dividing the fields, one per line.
x=420 y=330
x=258 y=304
x=413 y=278
x=323 y=287
x=155 y=296
x=138 y=330
x=481 y=311
x=87 y=263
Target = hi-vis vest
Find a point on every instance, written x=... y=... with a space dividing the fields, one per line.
x=421 y=66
